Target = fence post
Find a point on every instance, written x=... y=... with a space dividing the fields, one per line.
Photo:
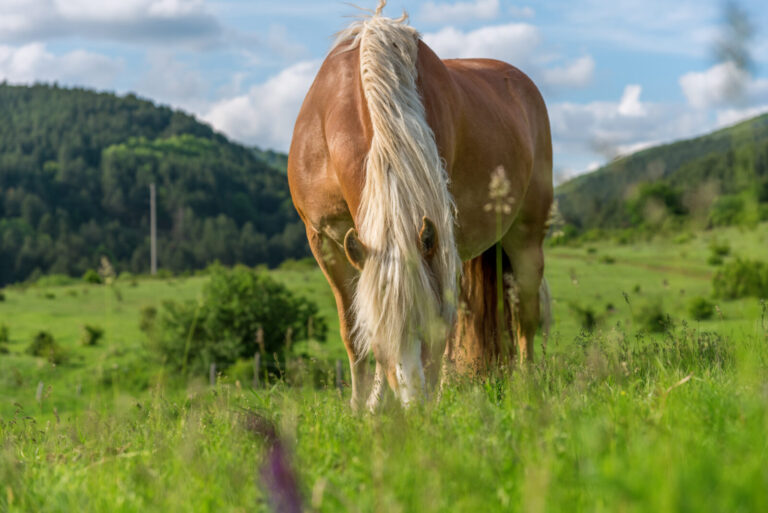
x=212 y=374
x=339 y=375
x=256 y=369
x=39 y=393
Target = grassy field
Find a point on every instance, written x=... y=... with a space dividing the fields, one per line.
x=616 y=419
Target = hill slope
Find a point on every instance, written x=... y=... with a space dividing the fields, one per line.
x=75 y=167
x=726 y=170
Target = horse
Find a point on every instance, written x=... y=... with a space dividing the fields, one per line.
x=407 y=170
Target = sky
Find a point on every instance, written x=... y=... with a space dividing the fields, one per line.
x=617 y=75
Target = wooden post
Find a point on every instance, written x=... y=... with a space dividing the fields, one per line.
x=212 y=374
x=152 y=229
x=260 y=340
x=39 y=393
x=339 y=375
x=256 y=369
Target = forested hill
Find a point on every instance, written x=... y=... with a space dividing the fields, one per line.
x=75 y=169
x=717 y=179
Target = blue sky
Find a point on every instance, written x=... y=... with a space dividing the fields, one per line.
x=617 y=75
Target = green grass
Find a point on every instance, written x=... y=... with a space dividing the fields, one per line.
x=613 y=420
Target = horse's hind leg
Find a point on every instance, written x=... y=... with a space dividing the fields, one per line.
x=523 y=246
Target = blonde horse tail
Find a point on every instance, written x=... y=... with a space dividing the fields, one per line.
x=399 y=300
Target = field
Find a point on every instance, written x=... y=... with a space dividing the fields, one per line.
x=613 y=418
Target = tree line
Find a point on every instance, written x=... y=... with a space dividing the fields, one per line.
x=75 y=169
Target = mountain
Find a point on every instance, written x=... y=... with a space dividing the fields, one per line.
x=718 y=178
x=75 y=170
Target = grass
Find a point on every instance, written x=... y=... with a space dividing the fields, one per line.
x=618 y=419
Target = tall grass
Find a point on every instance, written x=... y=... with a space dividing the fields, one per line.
x=623 y=423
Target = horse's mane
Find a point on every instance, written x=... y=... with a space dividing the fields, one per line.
x=399 y=299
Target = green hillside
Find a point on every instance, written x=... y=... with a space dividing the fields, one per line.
x=716 y=179
x=75 y=169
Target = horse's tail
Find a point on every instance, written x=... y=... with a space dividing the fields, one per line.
x=399 y=299
x=484 y=332
x=482 y=336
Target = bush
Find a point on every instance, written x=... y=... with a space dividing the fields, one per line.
x=90 y=335
x=701 y=309
x=741 y=278
x=55 y=280
x=147 y=316
x=720 y=248
x=586 y=316
x=727 y=210
x=91 y=276
x=4 y=338
x=762 y=212
x=236 y=305
x=2 y=296
x=715 y=260
x=607 y=259
x=45 y=346
x=653 y=319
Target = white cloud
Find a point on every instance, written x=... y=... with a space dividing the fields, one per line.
x=604 y=128
x=630 y=101
x=514 y=42
x=578 y=73
x=266 y=114
x=160 y=20
x=169 y=80
x=34 y=63
x=713 y=87
x=459 y=12
x=521 y=12
x=726 y=117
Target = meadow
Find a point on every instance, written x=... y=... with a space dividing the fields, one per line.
x=615 y=415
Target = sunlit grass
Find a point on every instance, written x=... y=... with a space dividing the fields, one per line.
x=616 y=419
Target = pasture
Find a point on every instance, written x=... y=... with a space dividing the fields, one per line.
x=613 y=418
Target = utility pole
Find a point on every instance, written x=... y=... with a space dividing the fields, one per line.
x=152 y=229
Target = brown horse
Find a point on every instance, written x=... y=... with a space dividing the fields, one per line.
x=402 y=166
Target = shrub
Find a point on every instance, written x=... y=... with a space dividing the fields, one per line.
x=715 y=260
x=720 y=248
x=223 y=326
x=55 y=280
x=147 y=316
x=741 y=278
x=90 y=335
x=2 y=296
x=45 y=346
x=91 y=276
x=762 y=212
x=607 y=259
x=4 y=338
x=701 y=309
x=586 y=316
x=727 y=210
x=652 y=318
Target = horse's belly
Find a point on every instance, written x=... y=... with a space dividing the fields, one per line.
x=476 y=233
